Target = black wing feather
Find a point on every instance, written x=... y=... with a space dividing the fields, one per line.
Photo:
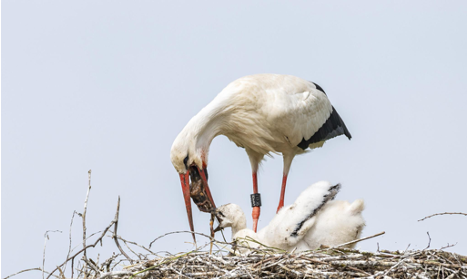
x=327 y=197
x=333 y=127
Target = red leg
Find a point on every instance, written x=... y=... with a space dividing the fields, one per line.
x=283 y=190
x=256 y=209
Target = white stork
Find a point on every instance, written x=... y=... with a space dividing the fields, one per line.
x=314 y=219
x=263 y=113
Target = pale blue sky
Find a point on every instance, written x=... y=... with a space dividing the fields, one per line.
x=108 y=85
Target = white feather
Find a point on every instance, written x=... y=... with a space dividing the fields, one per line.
x=335 y=223
x=338 y=222
x=279 y=231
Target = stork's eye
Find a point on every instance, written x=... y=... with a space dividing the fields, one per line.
x=185 y=162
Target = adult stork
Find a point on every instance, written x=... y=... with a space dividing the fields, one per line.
x=263 y=113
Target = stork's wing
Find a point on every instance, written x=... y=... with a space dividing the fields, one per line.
x=301 y=111
x=272 y=109
x=292 y=222
x=333 y=127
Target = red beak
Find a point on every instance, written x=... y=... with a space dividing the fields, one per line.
x=184 y=181
x=198 y=191
x=207 y=191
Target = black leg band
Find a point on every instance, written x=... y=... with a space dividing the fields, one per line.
x=255 y=200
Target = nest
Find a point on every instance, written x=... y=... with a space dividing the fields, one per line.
x=264 y=262
x=226 y=261
x=330 y=263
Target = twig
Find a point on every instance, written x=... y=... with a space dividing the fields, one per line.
x=87 y=238
x=428 y=244
x=62 y=275
x=139 y=255
x=220 y=242
x=70 y=237
x=212 y=233
x=162 y=262
x=46 y=237
x=136 y=244
x=444 y=213
x=166 y=234
x=357 y=240
x=407 y=247
x=85 y=248
x=396 y=265
x=29 y=269
x=448 y=246
x=91 y=264
x=453 y=275
x=116 y=221
x=111 y=274
x=83 y=216
x=359 y=270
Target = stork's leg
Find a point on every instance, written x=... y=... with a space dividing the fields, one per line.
x=287 y=160
x=255 y=159
x=283 y=190
x=255 y=209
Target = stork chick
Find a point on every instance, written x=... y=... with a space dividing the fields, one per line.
x=313 y=220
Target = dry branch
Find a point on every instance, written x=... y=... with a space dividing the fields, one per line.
x=83 y=216
x=88 y=263
x=46 y=237
x=359 y=240
x=116 y=221
x=29 y=269
x=444 y=213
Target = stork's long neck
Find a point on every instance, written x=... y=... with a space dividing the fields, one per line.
x=206 y=125
x=240 y=224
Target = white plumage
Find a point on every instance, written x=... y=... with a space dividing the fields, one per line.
x=312 y=220
x=338 y=222
x=264 y=113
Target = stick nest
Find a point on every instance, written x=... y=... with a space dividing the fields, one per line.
x=330 y=263
x=226 y=262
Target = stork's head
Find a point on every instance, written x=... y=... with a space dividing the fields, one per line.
x=184 y=154
x=191 y=164
x=230 y=215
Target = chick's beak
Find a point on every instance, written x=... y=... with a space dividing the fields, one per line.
x=220 y=220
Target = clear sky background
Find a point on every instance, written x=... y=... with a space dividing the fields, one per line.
x=108 y=85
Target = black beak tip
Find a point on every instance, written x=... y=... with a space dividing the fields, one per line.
x=218 y=228
x=220 y=220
